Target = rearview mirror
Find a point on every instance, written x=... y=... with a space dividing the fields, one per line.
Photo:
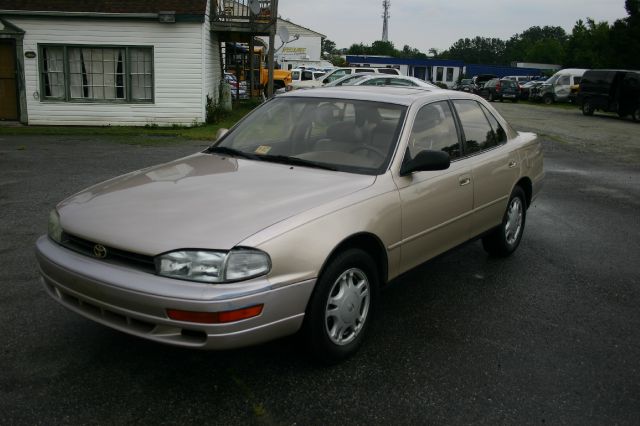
x=426 y=160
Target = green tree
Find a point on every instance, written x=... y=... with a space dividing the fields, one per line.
x=328 y=47
x=589 y=45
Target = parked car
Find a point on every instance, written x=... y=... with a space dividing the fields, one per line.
x=528 y=87
x=342 y=81
x=611 y=91
x=238 y=89
x=304 y=78
x=464 y=85
x=294 y=219
x=500 y=89
x=558 y=87
x=341 y=72
x=480 y=80
x=387 y=80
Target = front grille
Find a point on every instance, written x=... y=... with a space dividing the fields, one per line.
x=86 y=247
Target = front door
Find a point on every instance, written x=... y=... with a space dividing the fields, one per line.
x=436 y=205
x=8 y=82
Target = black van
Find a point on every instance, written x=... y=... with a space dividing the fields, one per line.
x=611 y=91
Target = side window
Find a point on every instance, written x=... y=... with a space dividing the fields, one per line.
x=400 y=82
x=499 y=135
x=434 y=129
x=307 y=75
x=365 y=70
x=375 y=82
x=478 y=134
x=563 y=81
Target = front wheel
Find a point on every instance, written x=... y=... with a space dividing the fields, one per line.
x=548 y=99
x=587 y=108
x=636 y=114
x=341 y=306
x=505 y=238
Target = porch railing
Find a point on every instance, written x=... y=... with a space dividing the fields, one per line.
x=240 y=11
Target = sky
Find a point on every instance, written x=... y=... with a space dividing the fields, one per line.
x=426 y=24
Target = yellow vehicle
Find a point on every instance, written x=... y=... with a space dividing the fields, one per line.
x=241 y=67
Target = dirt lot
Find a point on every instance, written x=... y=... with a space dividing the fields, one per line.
x=601 y=134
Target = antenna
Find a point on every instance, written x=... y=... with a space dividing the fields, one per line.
x=386 y=4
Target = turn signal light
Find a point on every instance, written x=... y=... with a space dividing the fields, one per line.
x=215 y=317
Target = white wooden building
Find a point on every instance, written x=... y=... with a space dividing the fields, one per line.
x=304 y=50
x=108 y=63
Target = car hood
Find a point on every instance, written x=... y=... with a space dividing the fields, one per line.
x=201 y=201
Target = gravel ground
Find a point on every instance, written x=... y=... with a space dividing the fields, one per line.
x=550 y=335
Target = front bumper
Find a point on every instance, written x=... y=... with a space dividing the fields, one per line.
x=136 y=302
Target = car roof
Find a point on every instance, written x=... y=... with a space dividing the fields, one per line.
x=403 y=95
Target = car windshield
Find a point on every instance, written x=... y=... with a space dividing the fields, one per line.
x=346 y=135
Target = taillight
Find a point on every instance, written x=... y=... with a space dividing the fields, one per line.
x=498 y=87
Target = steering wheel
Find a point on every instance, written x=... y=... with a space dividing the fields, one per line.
x=370 y=148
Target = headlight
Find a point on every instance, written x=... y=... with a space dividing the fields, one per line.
x=213 y=266
x=55 y=230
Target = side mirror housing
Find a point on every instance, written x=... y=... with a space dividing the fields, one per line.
x=426 y=160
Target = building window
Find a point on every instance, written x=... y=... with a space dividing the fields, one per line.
x=96 y=74
x=439 y=71
x=449 y=74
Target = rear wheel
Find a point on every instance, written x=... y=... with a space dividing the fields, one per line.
x=587 y=107
x=505 y=238
x=341 y=306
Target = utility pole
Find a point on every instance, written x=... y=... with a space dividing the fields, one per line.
x=386 y=4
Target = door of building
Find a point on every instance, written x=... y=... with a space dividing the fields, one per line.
x=8 y=81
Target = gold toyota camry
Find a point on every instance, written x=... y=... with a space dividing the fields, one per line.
x=294 y=219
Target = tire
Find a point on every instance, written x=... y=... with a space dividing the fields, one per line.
x=515 y=101
x=636 y=114
x=548 y=99
x=339 y=312
x=587 y=108
x=503 y=240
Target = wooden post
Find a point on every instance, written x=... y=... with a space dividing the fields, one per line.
x=272 y=42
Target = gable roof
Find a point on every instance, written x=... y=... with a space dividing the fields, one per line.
x=110 y=8
x=295 y=28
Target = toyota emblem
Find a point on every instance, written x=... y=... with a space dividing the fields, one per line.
x=99 y=251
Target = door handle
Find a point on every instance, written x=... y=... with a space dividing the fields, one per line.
x=512 y=164
x=464 y=181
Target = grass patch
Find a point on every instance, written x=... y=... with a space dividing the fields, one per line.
x=144 y=134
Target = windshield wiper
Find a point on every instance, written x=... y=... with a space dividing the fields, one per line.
x=295 y=161
x=232 y=151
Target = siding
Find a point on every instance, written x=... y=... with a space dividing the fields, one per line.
x=211 y=51
x=178 y=71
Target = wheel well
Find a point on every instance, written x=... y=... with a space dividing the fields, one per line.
x=527 y=187
x=370 y=244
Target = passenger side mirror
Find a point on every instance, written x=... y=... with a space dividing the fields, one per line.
x=426 y=160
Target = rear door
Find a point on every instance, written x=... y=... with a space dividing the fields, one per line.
x=494 y=167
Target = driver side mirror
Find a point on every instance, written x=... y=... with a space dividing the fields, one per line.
x=426 y=160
